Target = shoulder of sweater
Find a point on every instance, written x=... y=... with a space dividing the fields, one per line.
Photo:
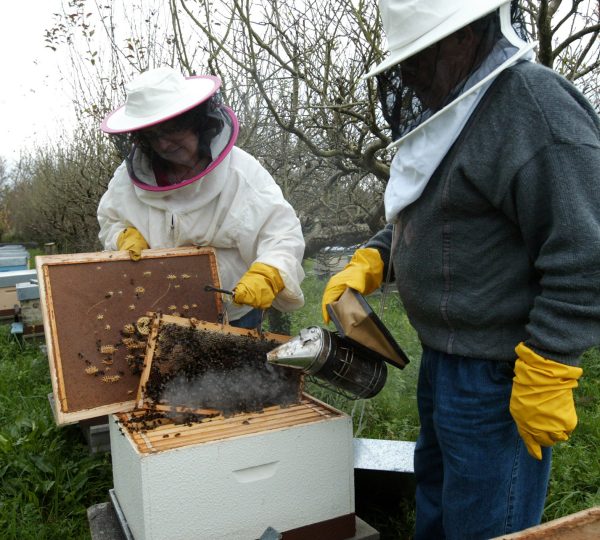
x=528 y=92
x=536 y=79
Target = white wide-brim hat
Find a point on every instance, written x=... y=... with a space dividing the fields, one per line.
x=413 y=25
x=156 y=96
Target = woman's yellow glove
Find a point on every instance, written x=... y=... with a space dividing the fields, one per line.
x=131 y=240
x=259 y=286
x=363 y=273
x=542 y=400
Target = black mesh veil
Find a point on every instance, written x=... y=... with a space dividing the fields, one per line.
x=416 y=88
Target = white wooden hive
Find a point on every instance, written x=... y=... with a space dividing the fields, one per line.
x=232 y=478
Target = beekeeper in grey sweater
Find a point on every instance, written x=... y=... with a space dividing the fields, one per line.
x=493 y=206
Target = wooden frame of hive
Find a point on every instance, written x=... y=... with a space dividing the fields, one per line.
x=160 y=321
x=169 y=435
x=85 y=299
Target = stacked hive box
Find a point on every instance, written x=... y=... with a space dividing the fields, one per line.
x=232 y=478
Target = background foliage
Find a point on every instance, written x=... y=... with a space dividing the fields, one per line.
x=292 y=73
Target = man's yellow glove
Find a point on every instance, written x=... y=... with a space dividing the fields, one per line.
x=542 y=400
x=363 y=273
x=259 y=286
x=131 y=240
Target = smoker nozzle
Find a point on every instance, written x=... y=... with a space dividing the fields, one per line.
x=332 y=359
x=301 y=352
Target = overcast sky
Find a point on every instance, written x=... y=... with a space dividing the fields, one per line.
x=33 y=102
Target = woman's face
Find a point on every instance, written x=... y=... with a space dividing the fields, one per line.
x=179 y=147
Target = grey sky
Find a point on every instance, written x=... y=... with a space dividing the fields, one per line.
x=32 y=104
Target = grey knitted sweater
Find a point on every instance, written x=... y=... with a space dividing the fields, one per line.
x=503 y=245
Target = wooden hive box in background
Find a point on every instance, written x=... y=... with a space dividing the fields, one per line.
x=8 y=290
x=86 y=301
x=584 y=525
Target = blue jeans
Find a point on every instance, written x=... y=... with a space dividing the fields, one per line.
x=475 y=479
x=250 y=320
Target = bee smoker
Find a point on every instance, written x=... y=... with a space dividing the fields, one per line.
x=342 y=365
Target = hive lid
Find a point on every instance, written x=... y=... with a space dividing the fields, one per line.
x=87 y=300
x=357 y=322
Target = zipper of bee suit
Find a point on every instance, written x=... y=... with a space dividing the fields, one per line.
x=384 y=294
x=172 y=227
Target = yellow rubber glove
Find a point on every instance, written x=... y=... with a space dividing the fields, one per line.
x=363 y=273
x=542 y=400
x=259 y=286
x=131 y=240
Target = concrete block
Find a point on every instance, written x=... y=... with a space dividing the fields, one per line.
x=31 y=313
x=384 y=455
x=383 y=475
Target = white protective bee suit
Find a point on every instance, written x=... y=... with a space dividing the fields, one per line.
x=236 y=208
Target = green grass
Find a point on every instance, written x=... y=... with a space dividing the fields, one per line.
x=48 y=478
x=575 y=479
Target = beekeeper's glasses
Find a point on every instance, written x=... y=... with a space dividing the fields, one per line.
x=170 y=129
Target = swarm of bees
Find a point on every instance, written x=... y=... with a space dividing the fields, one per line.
x=117 y=357
x=240 y=380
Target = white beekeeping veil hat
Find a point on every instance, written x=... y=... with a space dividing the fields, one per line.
x=435 y=49
x=413 y=25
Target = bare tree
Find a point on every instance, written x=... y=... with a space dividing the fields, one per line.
x=567 y=32
x=4 y=209
x=292 y=70
x=56 y=189
x=302 y=64
x=305 y=60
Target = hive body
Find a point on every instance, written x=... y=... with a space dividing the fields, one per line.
x=232 y=478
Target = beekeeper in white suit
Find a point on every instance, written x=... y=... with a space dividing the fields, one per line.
x=184 y=183
x=494 y=226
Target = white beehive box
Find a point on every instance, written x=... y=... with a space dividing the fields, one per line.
x=232 y=478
